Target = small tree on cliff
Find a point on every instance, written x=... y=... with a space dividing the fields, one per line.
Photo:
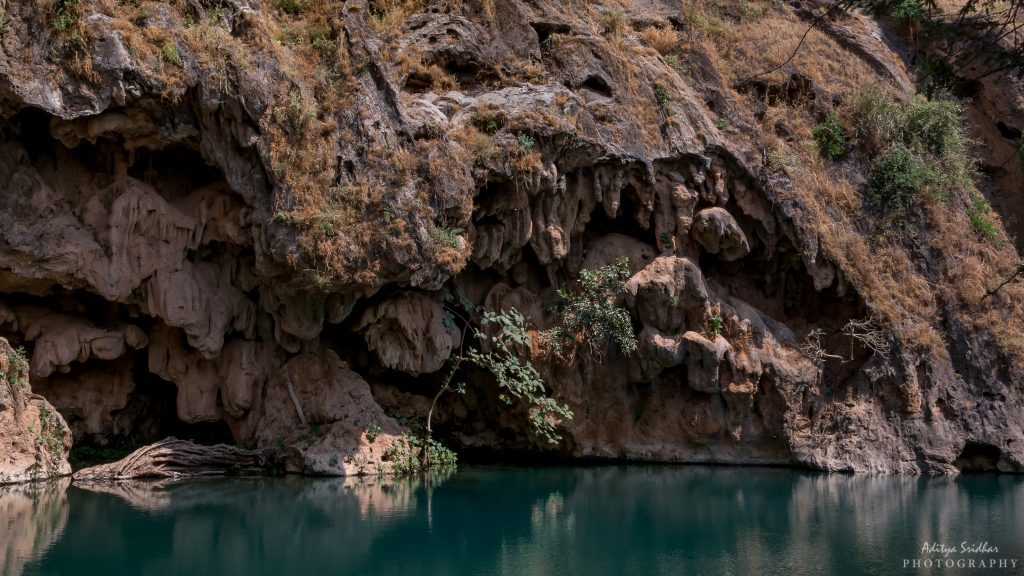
x=589 y=312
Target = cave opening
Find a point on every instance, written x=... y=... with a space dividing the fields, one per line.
x=624 y=222
x=544 y=29
x=978 y=457
x=149 y=414
x=32 y=129
x=173 y=171
x=598 y=85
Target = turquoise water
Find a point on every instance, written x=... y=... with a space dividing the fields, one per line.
x=616 y=520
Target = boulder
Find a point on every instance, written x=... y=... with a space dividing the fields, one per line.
x=669 y=294
x=719 y=233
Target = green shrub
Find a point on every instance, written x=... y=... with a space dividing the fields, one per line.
x=49 y=434
x=590 y=312
x=16 y=363
x=831 y=137
x=917 y=146
x=448 y=235
x=879 y=119
x=507 y=358
x=290 y=6
x=66 y=14
x=662 y=97
x=170 y=53
x=979 y=212
x=372 y=431
x=321 y=43
x=714 y=325
x=665 y=239
x=295 y=115
x=404 y=454
x=526 y=143
x=935 y=126
x=776 y=158
x=898 y=175
x=906 y=11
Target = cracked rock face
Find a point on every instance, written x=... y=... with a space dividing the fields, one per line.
x=258 y=242
x=34 y=439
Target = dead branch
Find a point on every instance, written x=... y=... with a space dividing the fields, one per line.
x=992 y=292
x=868 y=333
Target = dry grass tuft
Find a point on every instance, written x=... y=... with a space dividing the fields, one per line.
x=663 y=39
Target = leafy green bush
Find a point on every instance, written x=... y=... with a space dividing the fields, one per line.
x=897 y=176
x=917 y=146
x=979 y=212
x=661 y=95
x=590 y=312
x=67 y=13
x=404 y=454
x=714 y=325
x=935 y=126
x=517 y=378
x=372 y=431
x=16 y=363
x=291 y=6
x=170 y=53
x=831 y=137
x=879 y=119
x=49 y=436
x=526 y=143
x=907 y=11
x=448 y=235
x=323 y=44
x=5 y=22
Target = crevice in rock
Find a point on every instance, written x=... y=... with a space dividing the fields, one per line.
x=544 y=30
x=597 y=85
x=1009 y=132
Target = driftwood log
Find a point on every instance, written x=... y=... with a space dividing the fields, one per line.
x=173 y=458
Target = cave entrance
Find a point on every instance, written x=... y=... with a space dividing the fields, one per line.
x=150 y=414
x=624 y=221
x=979 y=457
x=173 y=171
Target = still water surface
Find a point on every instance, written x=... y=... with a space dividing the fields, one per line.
x=616 y=520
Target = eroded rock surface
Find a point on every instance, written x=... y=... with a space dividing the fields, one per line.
x=34 y=439
x=263 y=227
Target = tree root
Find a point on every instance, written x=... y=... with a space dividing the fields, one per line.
x=173 y=458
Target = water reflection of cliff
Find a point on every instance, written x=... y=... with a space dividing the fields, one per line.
x=32 y=517
x=225 y=526
x=597 y=520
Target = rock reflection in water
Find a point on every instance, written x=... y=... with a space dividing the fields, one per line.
x=558 y=521
x=32 y=517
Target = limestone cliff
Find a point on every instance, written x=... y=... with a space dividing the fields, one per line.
x=34 y=440
x=239 y=220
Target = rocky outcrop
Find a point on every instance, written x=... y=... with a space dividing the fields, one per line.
x=326 y=416
x=268 y=227
x=35 y=439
